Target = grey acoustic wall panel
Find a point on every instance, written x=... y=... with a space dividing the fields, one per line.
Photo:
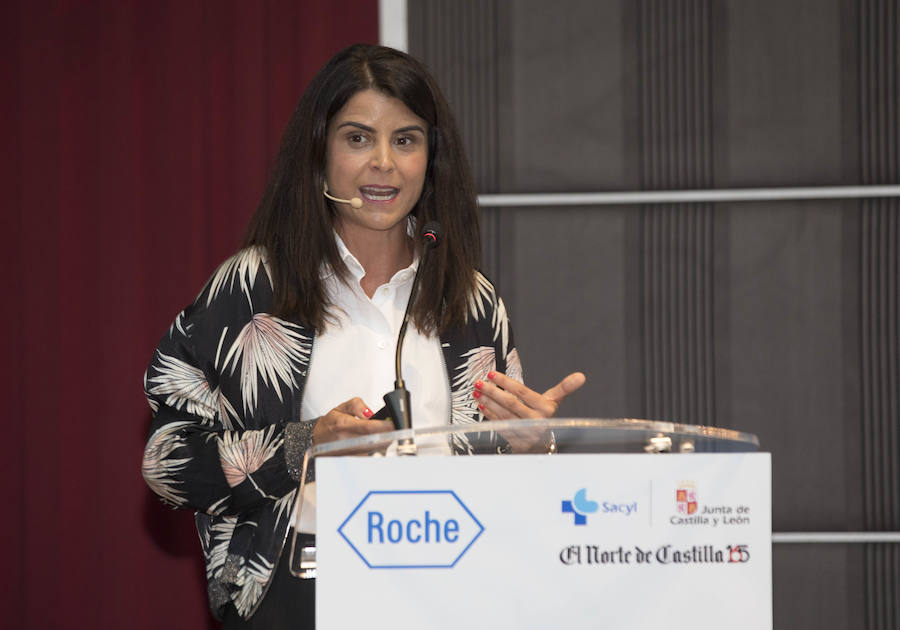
x=674 y=253
x=879 y=304
x=461 y=43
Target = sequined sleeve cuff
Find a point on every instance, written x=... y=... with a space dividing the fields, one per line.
x=298 y=438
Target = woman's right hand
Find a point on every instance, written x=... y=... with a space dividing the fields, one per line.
x=348 y=420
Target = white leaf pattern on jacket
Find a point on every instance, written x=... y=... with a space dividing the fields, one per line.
x=484 y=299
x=464 y=408
x=244 y=267
x=514 y=366
x=159 y=468
x=481 y=297
x=185 y=387
x=284 y=505
x=244 y=455
x=252 y=582
x=478 y=362
x=179 y=325
x=222 y=531
x=500 y=322
x=268 y=349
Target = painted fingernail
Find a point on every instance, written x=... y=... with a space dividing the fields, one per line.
x=481 y=406
x=491 y=375
x=479 y=384
x=367 y=412
x=476 y=394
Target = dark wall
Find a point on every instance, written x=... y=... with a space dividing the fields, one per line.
x=138 y=137
x=777 y=318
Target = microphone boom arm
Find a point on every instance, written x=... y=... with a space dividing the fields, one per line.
x=397 y=402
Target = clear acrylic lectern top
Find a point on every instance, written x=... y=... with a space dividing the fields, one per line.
x=553 y=435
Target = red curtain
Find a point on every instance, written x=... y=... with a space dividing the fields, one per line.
x=139 y=136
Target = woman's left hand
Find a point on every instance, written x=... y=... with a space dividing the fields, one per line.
x=502 y=398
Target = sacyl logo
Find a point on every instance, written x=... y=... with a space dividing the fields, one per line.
x=410 y=529
x=580 y=506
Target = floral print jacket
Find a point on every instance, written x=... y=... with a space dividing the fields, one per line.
x=225 y=387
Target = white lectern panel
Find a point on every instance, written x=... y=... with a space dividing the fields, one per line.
x=538 y=541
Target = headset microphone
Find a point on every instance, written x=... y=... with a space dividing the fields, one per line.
x=355 y=202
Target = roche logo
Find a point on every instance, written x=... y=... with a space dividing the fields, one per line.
x=580 y=506
x=410 y=529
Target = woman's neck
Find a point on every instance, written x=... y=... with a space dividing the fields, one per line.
x=381 y=254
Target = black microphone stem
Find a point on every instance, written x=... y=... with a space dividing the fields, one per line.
x=397 y=401
x=398 y=383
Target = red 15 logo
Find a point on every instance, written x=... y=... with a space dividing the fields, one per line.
x=738 y=553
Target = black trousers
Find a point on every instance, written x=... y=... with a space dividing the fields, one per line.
x=290 y=602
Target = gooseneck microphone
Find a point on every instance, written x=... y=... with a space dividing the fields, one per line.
x=355 y=202
x=431 y=236
x=397 y=402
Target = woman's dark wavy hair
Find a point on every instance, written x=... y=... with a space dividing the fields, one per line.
x=294 y=222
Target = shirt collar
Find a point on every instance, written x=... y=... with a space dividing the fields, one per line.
x=355 y=267
x=358 y=271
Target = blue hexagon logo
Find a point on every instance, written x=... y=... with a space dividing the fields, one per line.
x=411 y=529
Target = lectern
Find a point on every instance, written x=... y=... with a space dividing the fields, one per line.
x=558 y=523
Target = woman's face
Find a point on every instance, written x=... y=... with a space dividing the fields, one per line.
x=377 y=151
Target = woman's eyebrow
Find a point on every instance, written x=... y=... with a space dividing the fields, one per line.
x=407 y=129
x=410 y=128
x=357 y=125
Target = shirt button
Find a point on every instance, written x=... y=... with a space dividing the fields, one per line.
x=382 y=345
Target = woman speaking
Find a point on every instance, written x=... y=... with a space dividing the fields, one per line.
x=293 y=338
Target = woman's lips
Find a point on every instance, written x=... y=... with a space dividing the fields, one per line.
x=379 y=193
